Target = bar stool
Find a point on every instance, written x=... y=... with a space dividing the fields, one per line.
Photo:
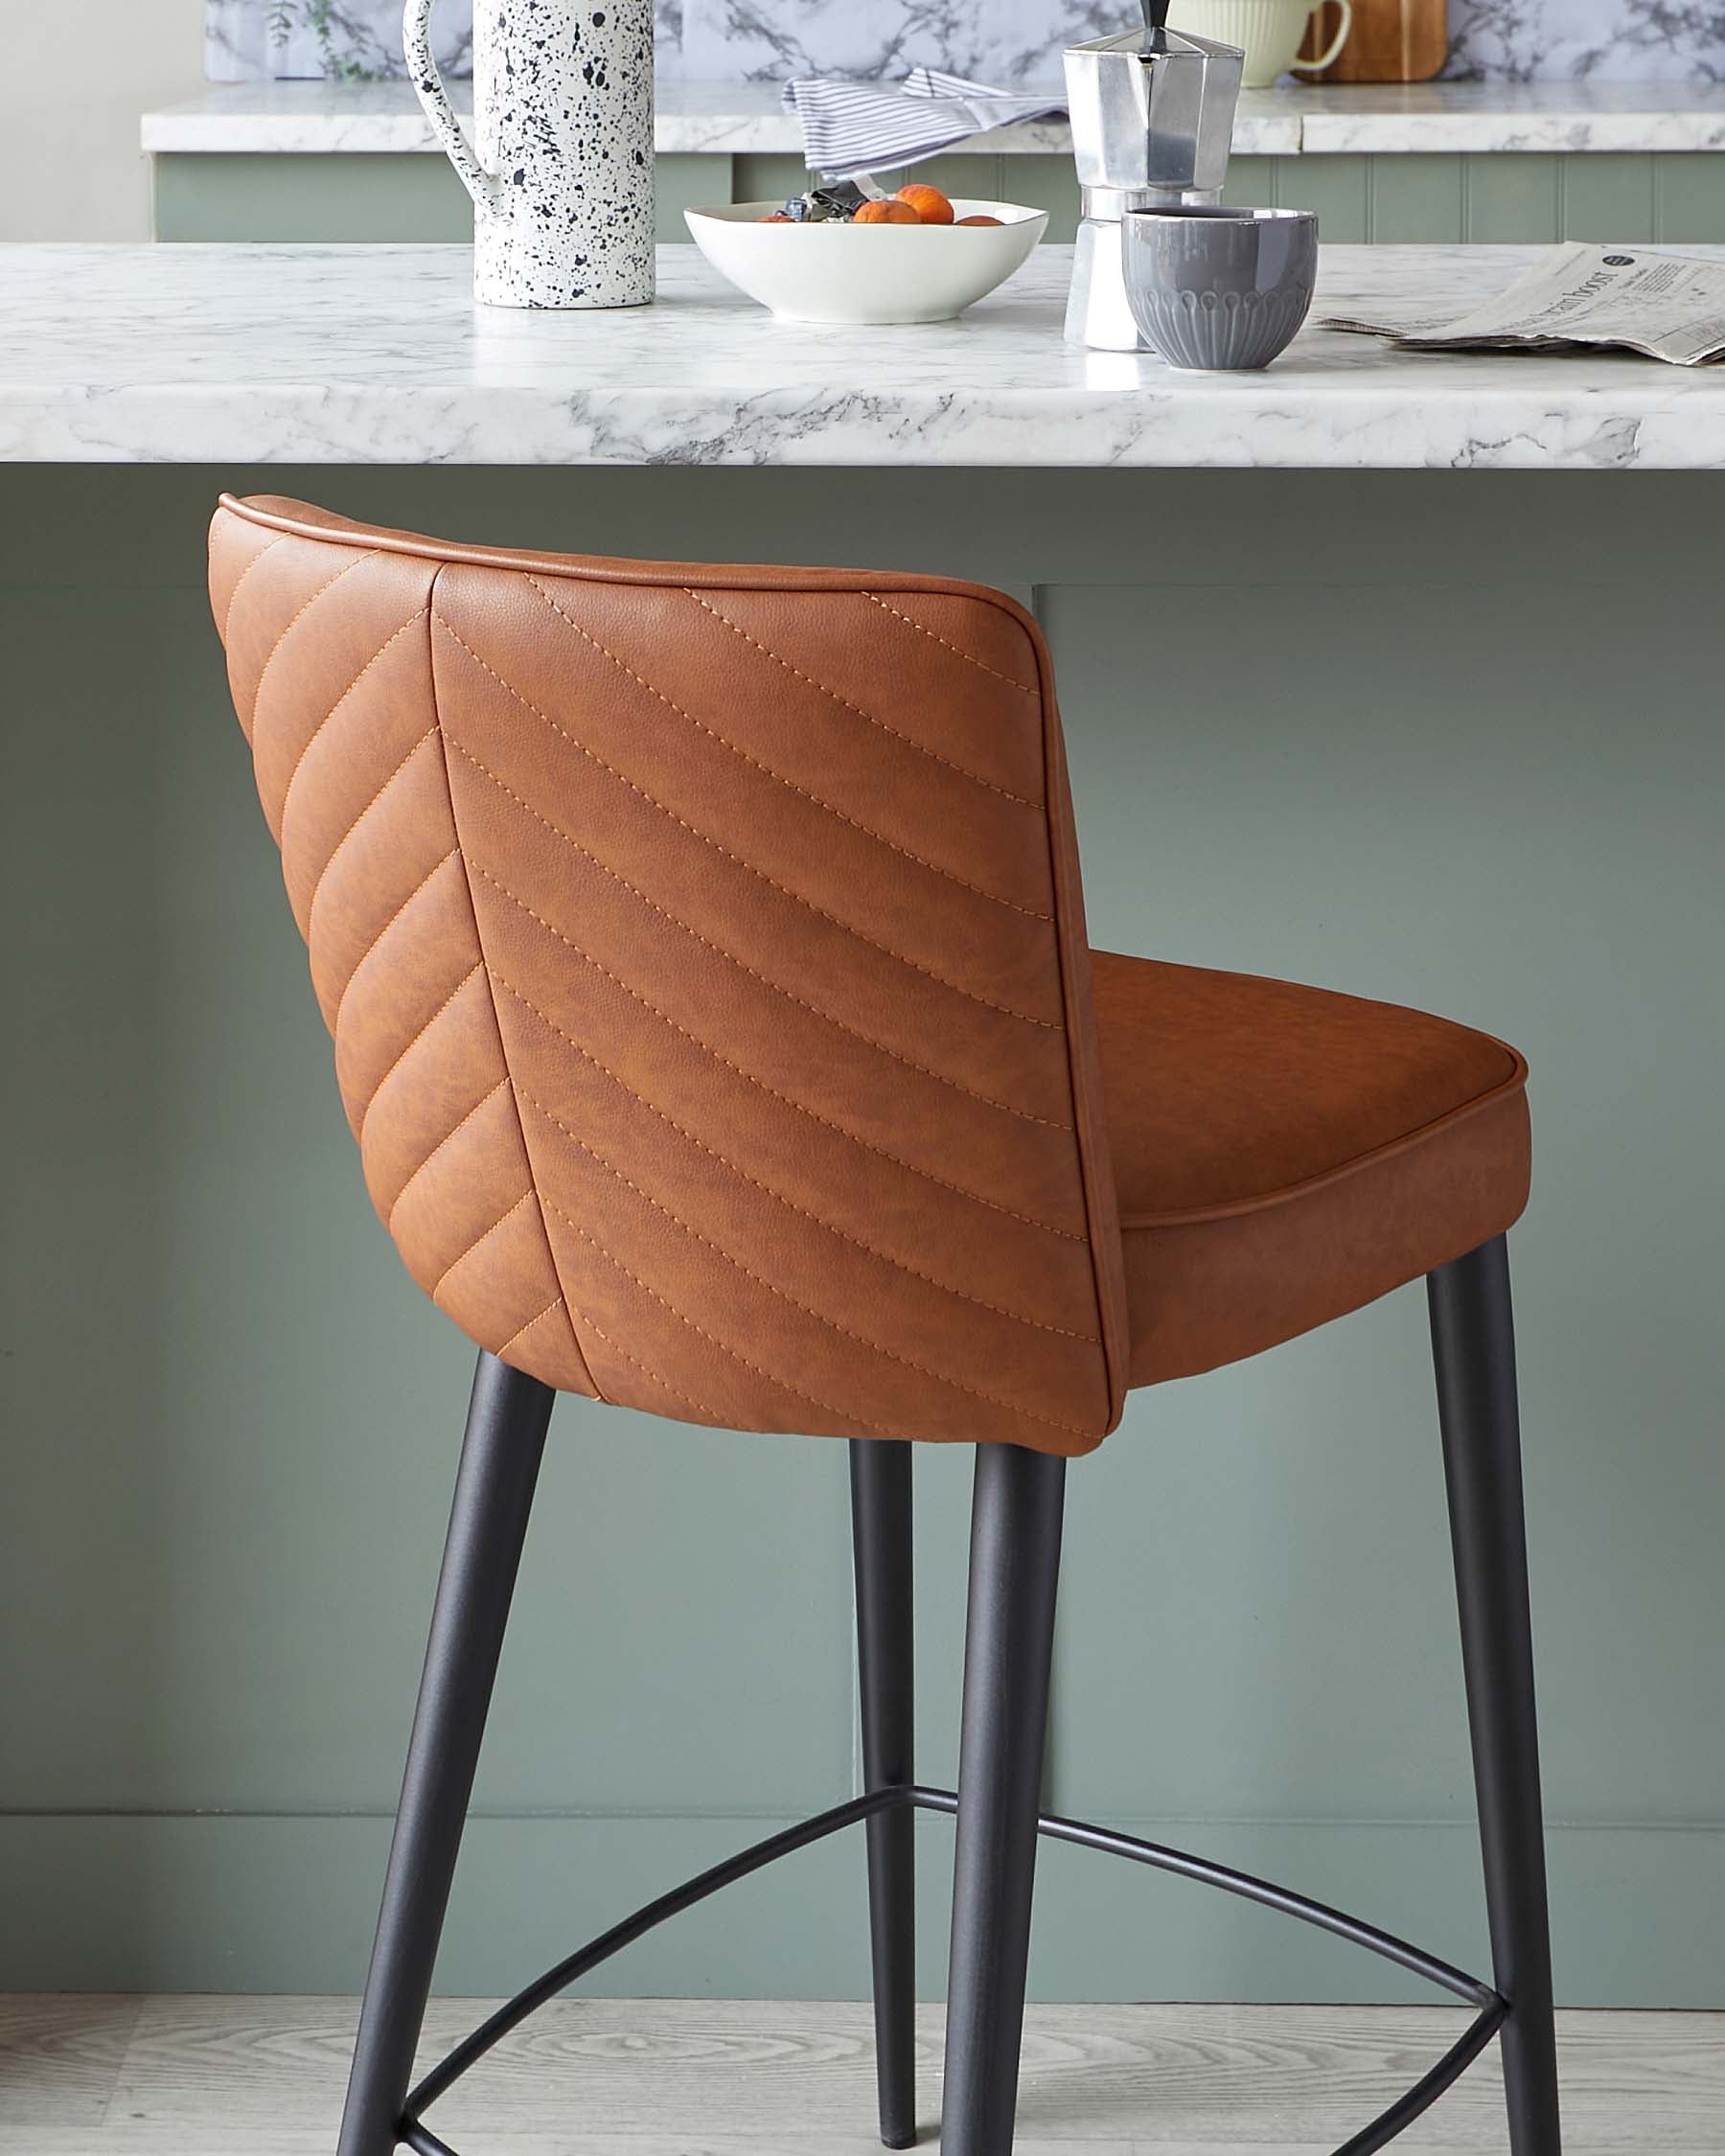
x=704 y=953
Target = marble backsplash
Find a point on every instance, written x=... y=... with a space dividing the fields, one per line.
x=998 y=40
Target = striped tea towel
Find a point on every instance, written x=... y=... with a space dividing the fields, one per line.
x=850 y=128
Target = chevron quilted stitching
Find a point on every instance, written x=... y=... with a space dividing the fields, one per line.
x=722 y=1348
x=430 y=1156
x=472 y=971
x=418 y=891
x=783 y=1294
x=369 y=884
x=703 y=1412
x=957 y=933
x=831 y=1093
x=923 y=691
x=356 y=683
x=429 y=734
x=970 y=658
x=507 y=1214
x=452 y=1069
x=556 y=1304
x=236 y=549
x=695 y=1277
x=802 y=1108
x=922 y=749
x=815 y=800
x=730 y=957
x=779 y=1198
x=388 y=829
x=227 y=612
x=292 y=623
x=706 y=839
x=449 y=1138
x=585 y=1379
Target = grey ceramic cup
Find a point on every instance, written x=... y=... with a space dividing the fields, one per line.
x=1220 y=288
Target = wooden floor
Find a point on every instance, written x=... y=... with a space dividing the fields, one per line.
x=204 y=2077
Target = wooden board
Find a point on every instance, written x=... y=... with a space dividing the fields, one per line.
x=1392 y=41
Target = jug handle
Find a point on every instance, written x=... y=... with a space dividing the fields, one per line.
x=1327 y=58
x=486 y=188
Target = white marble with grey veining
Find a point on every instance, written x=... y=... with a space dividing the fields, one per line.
x=1589 y=40
x=292 y=118
x=370 y=354
x=998 y=40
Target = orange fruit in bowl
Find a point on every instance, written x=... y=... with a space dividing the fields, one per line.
x=893 y=211
x=774 y=217
x=981 y=221
x=930 y=205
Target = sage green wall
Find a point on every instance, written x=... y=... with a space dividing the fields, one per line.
x=1528 y=197
x=1446 y=738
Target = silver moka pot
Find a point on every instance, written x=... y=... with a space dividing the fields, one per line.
x=1153 y=114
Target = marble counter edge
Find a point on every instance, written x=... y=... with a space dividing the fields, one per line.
x=196 y=354
x=190 y=133
x=1473 y=428
x=716 y=119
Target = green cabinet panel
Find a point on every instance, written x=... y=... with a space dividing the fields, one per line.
x=1338 y=188
x=328 y=198
x=1385 y=199
x=1689 y=196
x=1512 y=197
x=688 y=183
x=1253 y=181
x=342 y=196
x=1047 y=183
x=1417 y=198
x=1609 y=196
x=765 y=179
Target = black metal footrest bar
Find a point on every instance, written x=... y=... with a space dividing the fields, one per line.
x=1493 y=2009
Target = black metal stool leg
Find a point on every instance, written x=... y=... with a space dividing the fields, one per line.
x=881 y=1528
x=494 y=1495
x=1008 y=1650
x=1473 y=1346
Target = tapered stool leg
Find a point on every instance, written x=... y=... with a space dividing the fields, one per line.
x=1008 y=1651
x=880 y=1532
x=1473 y=1345
x=494 y=1495
x=881 y=1521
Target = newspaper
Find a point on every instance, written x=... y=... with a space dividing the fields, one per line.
x=1670 y=306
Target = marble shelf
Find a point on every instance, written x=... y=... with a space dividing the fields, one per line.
x=292 y=118
x=376 y=354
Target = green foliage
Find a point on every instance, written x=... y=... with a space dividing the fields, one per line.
x=341 y=60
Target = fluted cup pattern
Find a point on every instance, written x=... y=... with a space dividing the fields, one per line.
x=1223 y=331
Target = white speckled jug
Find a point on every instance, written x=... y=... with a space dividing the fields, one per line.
x=561 y=179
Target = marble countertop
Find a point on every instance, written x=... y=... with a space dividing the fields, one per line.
x=375 y=355
x=725 y=117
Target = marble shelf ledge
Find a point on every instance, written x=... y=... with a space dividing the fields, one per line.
x=1495 y=117
x=715 y=118
x=377 y=354
x=726 y=118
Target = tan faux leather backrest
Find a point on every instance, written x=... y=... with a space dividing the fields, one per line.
x=705 y=960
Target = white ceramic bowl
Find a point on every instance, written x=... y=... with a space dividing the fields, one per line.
x=865 y=273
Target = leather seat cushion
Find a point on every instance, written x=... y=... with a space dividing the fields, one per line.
x=1285 y=1155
